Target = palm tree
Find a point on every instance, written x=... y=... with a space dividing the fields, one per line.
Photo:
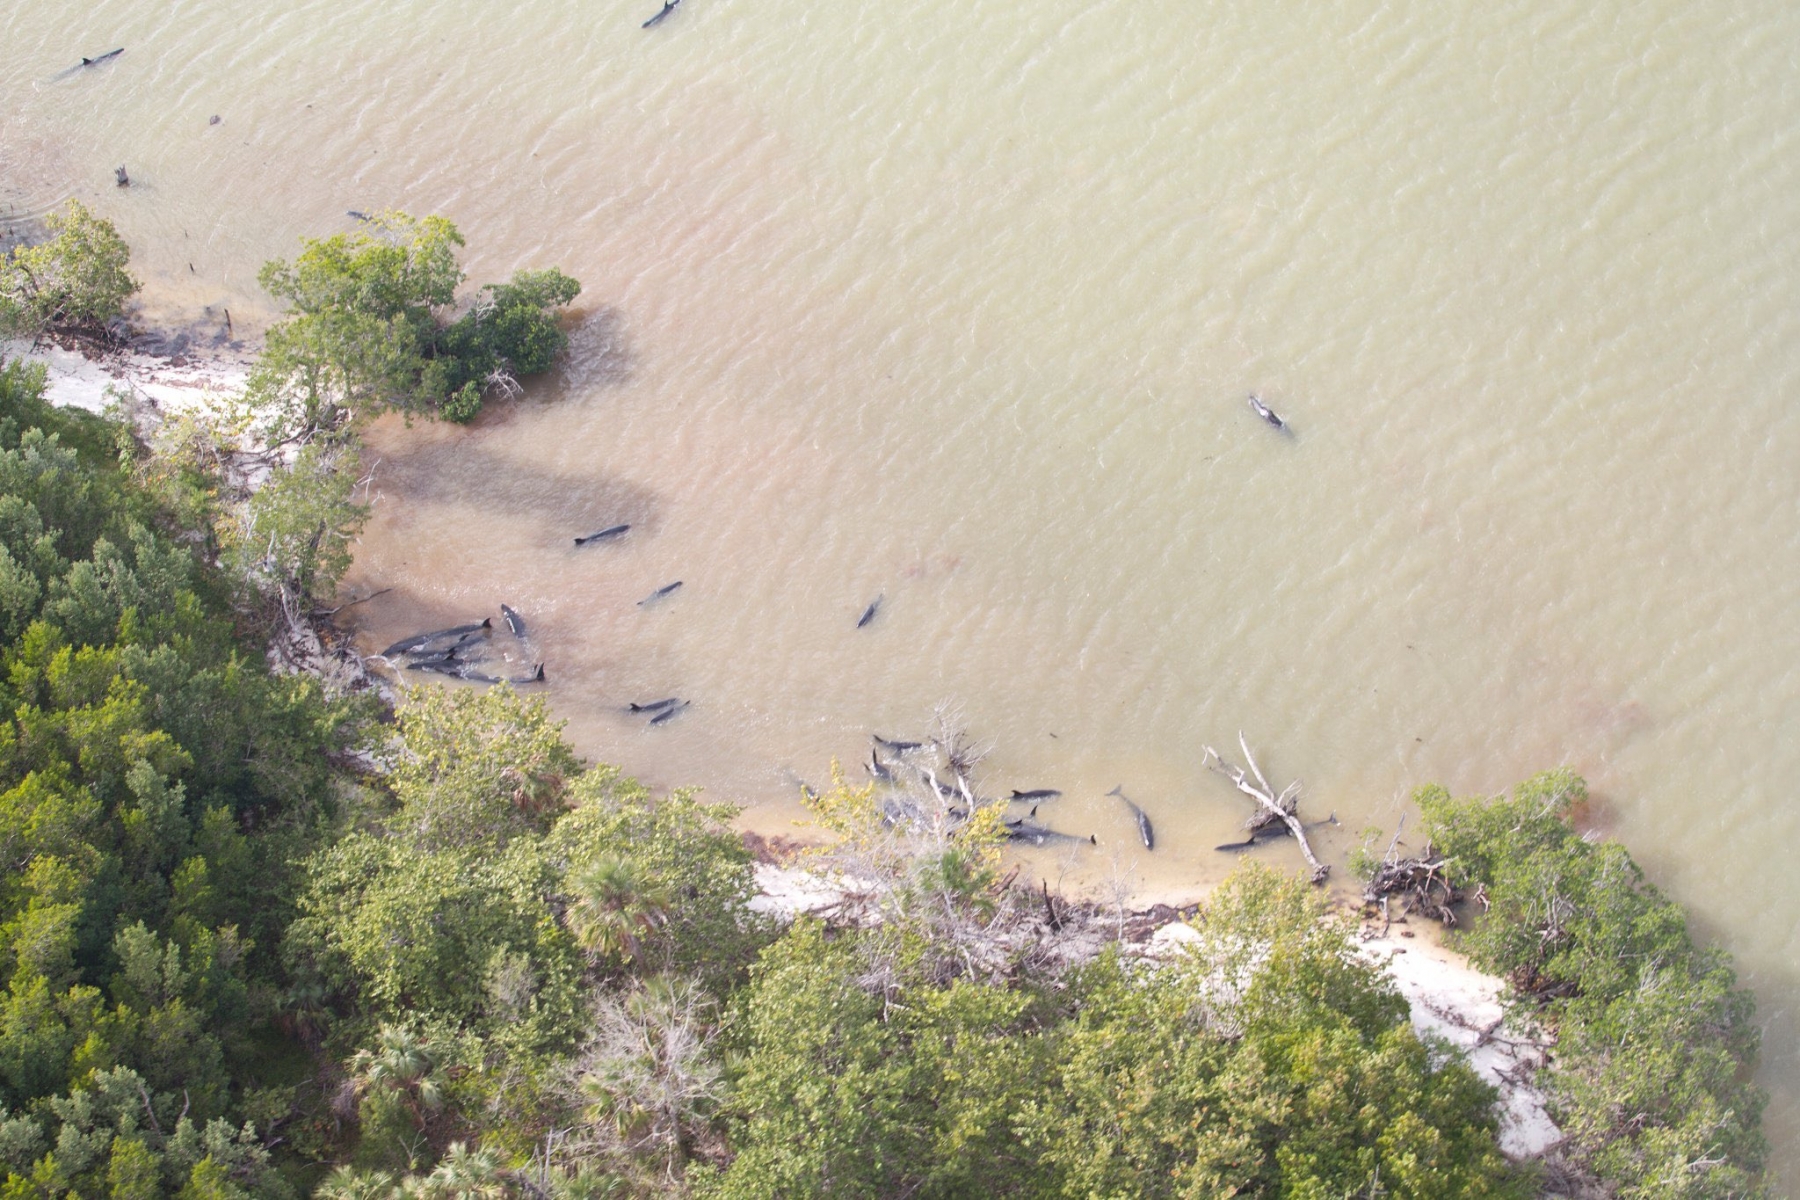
x=402 y=1064
x=463 y=1174
x=347 y=1183
x=651 y=1072
x=614 y=909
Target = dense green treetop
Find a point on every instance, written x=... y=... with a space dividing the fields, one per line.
x=368 y=329
x=76 y=279
x=1655 y=1041
x=156 y=788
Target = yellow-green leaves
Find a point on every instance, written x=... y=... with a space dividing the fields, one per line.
x=76 y=278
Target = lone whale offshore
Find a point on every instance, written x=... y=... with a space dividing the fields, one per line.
x=1266 y=413
x=610 y=532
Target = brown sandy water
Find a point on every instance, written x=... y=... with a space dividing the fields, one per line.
x=960 y=307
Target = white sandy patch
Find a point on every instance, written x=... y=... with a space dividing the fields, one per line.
x=792 y=892
x=170 y=385
x=1454 y=1001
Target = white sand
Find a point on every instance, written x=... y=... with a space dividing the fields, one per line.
x=1452 y=1000
x=76 y=381
x=1449 y=999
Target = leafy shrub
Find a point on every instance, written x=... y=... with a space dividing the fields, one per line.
x=156 y=785
x=76 y=279
x=1655 y=1042
x=367 y=328
x=1267 y=1061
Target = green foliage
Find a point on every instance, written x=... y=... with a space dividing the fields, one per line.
x=462 y=915
x=366 y=329
x=114 y=1139
x=402 y=931
x=613 y=910
x=155 y=783
x=683 y=857
x=478 y=767
x=298 y=527
x=1655 y=1042
x=510 y=330
x=1269 y=1061
x=77 y=278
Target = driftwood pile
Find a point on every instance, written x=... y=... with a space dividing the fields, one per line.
x=1273 y=811
x=1419 y=882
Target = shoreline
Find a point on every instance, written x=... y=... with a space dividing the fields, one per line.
x=178 y=381
x=1446 y=997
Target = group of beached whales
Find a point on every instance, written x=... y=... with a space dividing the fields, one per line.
x=468 y=651
x=903 y=765
x=462 y=651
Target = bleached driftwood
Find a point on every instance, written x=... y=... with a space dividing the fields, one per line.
x=1270 y=806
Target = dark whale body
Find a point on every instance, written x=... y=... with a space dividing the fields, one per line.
x=1143 y=822
x=419 y=641
x=605 y=534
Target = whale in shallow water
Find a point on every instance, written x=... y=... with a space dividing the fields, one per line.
x=109 y=55
x=1042 y=835
x=1275 y=830
x=1036 y=794
x=668 y=713
x=665 y=590
x=893 y=747
x=605 y=534
x=1266 y=413
x=869 y=612
x=653 y=706
x=477 y=677
x=667 y=8
x=419 y=641
x=425 y=662
x=514 y=621
x=1143 y=823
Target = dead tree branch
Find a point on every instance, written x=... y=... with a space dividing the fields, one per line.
x=1271 y=807
x=1419 y=881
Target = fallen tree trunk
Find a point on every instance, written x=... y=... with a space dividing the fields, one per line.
x=1283 y=808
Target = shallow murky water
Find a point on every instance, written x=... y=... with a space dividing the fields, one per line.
x=960 y=307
